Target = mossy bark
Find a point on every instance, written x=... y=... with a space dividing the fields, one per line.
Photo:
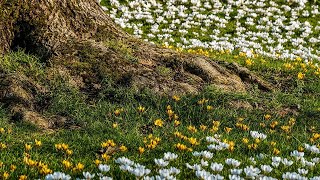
x=51 y=23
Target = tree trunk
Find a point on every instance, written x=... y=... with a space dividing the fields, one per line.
x=77 y=37
x=51 y=24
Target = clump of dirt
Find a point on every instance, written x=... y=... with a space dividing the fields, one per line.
x=139 y=65
x=18 y=94
x=289 y=111
x=241 y=105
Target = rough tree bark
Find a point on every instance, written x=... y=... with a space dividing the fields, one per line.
x=77 y=37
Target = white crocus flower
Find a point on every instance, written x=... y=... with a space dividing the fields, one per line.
x=104 y=167
x=292 y=176
x=266 y=168
x=253 y=161
x=124 y=160
x=139 y=171
x=57 y=176
x=174 y=170
x=232 y=162
x=315 y=160
x=164 y=173
x=297 y=154
x=196 y=153
x=161 y=162
x=168 y=156
x=302 y=171
x=261 y=156
x=126 y=167
x=168 y=173
x=251 y=172
x=256 y=134
x=312 y=148
x=267 y=178
x=207 y=154
x=203 y=174
x=236 y=171
x=216 y=166
x=196 y=167
x=87 y=175
x=235 y=177
x=204 y=163
x=276 y=159
x=310 y=164
x=287 y=162
x=105 y=178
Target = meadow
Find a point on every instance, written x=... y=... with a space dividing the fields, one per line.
x=278 y=29
x=124 y=134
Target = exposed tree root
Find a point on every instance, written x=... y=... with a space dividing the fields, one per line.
x=77 y=37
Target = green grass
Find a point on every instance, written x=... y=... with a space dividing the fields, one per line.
x=21 y=62
x=95 y=118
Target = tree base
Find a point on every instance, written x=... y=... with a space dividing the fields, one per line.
x=76 y=39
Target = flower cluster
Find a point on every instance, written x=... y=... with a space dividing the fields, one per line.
x=151 y=141
x=276 y=29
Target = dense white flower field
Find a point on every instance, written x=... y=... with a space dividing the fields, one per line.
x=262 y=166
x=278 y=29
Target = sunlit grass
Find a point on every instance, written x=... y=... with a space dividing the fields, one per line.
x=142 y=127
x=274 y=134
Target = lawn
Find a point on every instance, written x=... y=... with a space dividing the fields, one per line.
x=125 y=134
